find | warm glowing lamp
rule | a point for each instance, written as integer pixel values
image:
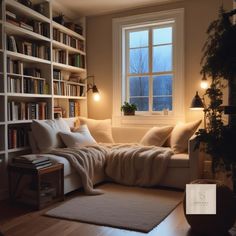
(204, 83)
(93, 87)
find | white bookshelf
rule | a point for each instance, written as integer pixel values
(45, 66)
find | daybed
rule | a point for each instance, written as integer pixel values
(182, 167)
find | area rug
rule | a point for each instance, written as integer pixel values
(132, 208)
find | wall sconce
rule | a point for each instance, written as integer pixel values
(198, 104)
(93, 87)
(204, 83)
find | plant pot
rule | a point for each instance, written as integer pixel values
(129, 113)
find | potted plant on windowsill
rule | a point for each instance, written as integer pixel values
(129, 109)
(219, 64)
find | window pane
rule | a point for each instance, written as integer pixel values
(162, 58)
(138, 61)
(138, 86)
(162, 35)
(141, 103)
(138, 39)
(160, 103)
(162, 85)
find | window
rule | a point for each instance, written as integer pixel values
(148, 67)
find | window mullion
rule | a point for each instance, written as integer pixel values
(127, 65)
(150, 70)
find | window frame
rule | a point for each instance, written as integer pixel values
(150, 28)
(143, 118)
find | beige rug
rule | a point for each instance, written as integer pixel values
(131, 208)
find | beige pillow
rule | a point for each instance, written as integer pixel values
(181, 134)
(80, 138)
(46, 134)
(156, 136)
(62, 125)
(99, 129)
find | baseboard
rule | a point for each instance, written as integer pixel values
(4, 194)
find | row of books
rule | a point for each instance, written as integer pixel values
(60, 75)
(26, 111)
(14, 66)
(74, 108)
(62, 88)
(17, 137)
(41, 28)
(32, 161)
(67, 39)
(77, 60)
(59, 56)
(30, 85)
(28, 48)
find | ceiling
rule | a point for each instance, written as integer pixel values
(98, 7)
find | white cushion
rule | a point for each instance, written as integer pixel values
(46, 134)
(63, 126)
(181, 134)
(156, 136)
(180, 160)
(99, 129)
(79, 138)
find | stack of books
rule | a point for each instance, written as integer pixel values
(32, 161)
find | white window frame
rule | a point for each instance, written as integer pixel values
(176, 17)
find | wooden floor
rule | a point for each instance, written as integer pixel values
(20, 221)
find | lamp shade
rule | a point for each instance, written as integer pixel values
(197, 103)
(96, 95)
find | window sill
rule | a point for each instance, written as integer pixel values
(146, 120)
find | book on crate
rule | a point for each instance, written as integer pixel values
(32, 161)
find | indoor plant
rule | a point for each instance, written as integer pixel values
(218, 63)
(129, 108)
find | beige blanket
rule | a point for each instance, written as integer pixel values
(137, 165)
(129, 164)
(85, 161)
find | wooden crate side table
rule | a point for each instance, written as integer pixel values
(39, 195)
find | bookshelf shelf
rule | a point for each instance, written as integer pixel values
(19, 122)
(18, 149)
(2, 152)
(66, 47)
(64, 67)
(69, 97)
(29, 95)
(20, 8)
(66, 30)
(69, 82)
(26, 58)
(16, 30)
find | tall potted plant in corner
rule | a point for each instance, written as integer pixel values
(219, 63)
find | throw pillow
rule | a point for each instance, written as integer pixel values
(46, 134)
(156, 136)
(181, 134)
(99, 129)
(79, 138)
(62, 125)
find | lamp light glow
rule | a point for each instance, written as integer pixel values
(204, 83)
(96, 97)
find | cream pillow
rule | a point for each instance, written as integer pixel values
(62, 125)
(181, 134)
(80, 138)
(156, 136)
(46, 134)
(99, 129)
